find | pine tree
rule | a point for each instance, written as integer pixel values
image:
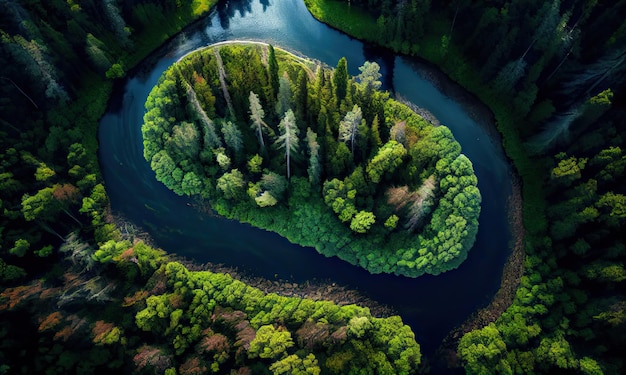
(288, 137)
(340, 79)
(349, 126)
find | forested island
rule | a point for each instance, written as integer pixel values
(290, 146)
(82, 291)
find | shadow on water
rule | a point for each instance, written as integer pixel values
(431, 305)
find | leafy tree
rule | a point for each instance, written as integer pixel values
(483, 351)
(270, 342)
(223, 160)
(254, 164)
(191, 184)
(362, 222)
(232, 184)
(388, 158)
(115, 71)
(185, 142)
(266, 199)
(274, 183)
(20, 248)
(294, 365)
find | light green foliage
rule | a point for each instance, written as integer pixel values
(254, 164)
(392, 222)
(185, 141)
(315, 168)
(359, 326)
(231, 184)
(266, 199)
(568, 169)
(270, 342)
(115, 71)
(294, 365)
(39, 206)
(387, 159)
(223, 160)
(44, 173)
(9, 272)
(482, 352)
(44, 251)
(362, 222)
(110, 250)
(370, 76)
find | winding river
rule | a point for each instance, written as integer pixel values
(430, 305)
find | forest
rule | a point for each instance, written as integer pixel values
(318, 157)
(553, 74)
(82, 294)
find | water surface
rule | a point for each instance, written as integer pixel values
(430, 305)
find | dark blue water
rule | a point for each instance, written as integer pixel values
(430, 305)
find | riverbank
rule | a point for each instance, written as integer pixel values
(316, 290)
(526, 199)
(513, 271)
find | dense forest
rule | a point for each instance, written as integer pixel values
(553, 74)
(81, 291)
(80, 294)
(316, 158)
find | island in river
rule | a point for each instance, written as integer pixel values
(319, 157)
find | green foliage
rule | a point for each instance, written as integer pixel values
(362, 222)
(270, 342)
(231, 184)
(20, 248)
(340, 79)
(228, 323)
(345, 157)
(115, 71)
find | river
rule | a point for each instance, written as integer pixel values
(431, 305)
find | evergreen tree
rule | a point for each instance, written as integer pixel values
(273, 70)
(288, 138)
(340, 79)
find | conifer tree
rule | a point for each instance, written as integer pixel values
(288, 137)
(340, 79)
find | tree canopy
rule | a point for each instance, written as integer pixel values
(341, 180)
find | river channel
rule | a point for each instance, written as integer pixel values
(431, 305)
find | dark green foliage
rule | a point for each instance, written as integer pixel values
(432, 235)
